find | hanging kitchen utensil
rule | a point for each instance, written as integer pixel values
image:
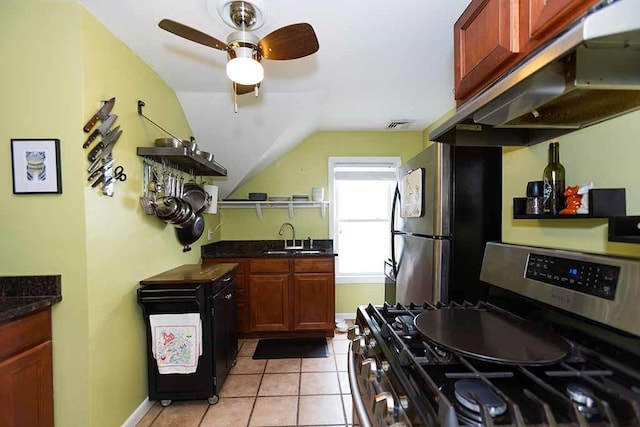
(145, 201)
(189, 235)
(196, 196)
(101, 115)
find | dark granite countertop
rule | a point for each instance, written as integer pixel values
(22, 295)
(260, 248)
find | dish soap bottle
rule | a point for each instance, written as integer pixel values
(553, 177)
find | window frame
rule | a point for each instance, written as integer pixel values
(334, 161)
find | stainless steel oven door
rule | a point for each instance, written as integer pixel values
(358, 393)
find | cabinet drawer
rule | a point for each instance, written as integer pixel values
(21, 334)
(272, 265)
(313, 265)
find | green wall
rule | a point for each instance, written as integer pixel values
(303, 167)
(53, 79)
(605, 154)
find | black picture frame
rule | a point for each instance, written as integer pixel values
(35, 165)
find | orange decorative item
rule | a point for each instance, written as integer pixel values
(573, 201)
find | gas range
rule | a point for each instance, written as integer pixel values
(509, 361)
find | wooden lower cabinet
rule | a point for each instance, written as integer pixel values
(268, 302)
(313, 301)
(26, 377)
(279, 295)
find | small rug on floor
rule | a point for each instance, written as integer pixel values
(290, 348)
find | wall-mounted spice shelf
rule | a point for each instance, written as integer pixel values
(603, 203)
(624, 229)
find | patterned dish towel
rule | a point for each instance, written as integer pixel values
(176, 342)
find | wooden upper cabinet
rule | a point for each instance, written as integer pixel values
(547, 16)
(492, 37)
(486, 36)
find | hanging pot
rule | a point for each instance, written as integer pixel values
(196, 196)
(188, 235)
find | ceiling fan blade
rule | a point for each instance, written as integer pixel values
(290, 42)
(242, 89)
(191, 34)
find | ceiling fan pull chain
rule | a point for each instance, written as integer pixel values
(235, 98)
(255, 89)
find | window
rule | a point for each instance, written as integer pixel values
(361, 191)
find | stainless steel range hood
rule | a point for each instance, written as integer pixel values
(589, 74)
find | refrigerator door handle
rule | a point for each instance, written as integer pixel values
(396, 200)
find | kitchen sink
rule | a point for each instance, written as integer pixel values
(293, 252)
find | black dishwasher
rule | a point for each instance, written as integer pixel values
(211, 293)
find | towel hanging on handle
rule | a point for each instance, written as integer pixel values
(176, 342)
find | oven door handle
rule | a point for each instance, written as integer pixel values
(358, 403)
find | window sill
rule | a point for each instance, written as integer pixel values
(360, 279)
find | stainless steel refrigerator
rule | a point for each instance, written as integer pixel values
(447, 206)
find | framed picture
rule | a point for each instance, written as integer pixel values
(36, 166)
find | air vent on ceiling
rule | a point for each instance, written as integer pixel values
(400, 124)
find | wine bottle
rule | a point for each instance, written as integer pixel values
(553, 177)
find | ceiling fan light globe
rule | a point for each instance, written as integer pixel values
(245, 71)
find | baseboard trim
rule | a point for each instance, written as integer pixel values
(345, 316)
(138, 414)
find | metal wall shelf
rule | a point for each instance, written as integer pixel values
(258, 206)
(183, 159)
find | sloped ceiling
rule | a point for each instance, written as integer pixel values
(379, 60)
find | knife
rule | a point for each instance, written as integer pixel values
(102, 130)
(106, 151)
(101, 115)
(94, 172)
(103, 143)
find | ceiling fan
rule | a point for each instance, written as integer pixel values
(245, 50)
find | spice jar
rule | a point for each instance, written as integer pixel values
(535, 197)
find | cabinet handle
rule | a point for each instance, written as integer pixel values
(226, 279)
(227, 296)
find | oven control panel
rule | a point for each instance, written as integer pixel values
(599, 280)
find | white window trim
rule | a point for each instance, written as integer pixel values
(396, 161)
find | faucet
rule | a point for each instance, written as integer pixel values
(293, 236)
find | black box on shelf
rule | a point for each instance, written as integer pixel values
(624, 229)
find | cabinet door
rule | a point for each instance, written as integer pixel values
(225, 338)
(486, 36)
(313, 301)
(268, 302)
(547, 16)
(26, 388)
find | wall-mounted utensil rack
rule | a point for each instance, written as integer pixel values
(180, 158)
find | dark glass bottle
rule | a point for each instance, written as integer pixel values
(553, 177)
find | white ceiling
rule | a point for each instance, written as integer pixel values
(379, 60)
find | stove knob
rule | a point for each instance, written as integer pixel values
(353, 332)
(372, 342)
(358, 345)
(383, 406)
(384, 365)
(368, 369)
(367, 331)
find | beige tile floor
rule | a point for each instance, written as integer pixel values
(274, 392)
